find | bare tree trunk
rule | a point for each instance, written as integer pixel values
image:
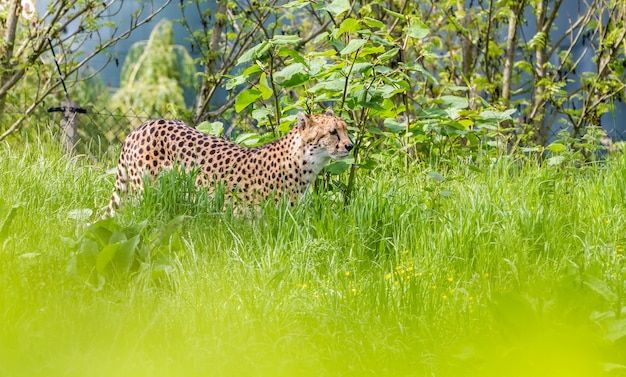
(538, 113)
(537, 116)
(6, 53)
(468, 47)
(209, 80)
(507, 75)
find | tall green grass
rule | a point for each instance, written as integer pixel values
(510, 269)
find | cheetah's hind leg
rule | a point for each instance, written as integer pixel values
(121, 187)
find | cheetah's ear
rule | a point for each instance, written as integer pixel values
(303, 120)
(330, 112)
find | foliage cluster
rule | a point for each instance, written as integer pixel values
(34, 41)
(498, 54)
(414, 79)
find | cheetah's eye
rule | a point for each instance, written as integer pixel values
(333, 132)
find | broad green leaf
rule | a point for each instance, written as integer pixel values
(383, 58)
(555, 161)
(102, 230)
(285, 39)
(105, 256)
(417, 32)
(117, 237)
(254, 52)
(317, 65)
(349, 25)
(432, 113)
(369, 50)
(397, 15)
(325, 53)
(322, 37)
(337, 167)
(246, 97)
(498, 115)
(235, 81)
(211, 128)
(368, 164)
(88, 252)
(600, 287)
(293, 75)
(261, 114)
(372, 22)
(295, 55)
(266, 91)
(330, 85)
(393, 125)
(466, 122)
(417, 29)
(436, 176)
(446, 193)
(361, 67)
(388, 91)
(338, 7)
(353, 46)
(251, 70)
(556, 148)
(455, 102)
(248, 139)
(290, 70)
(375, 131)
(296, 80)
(125, 255)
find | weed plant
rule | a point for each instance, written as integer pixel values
(503, 269)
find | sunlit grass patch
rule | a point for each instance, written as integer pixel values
(518, 269)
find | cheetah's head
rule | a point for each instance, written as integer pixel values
(325, 135)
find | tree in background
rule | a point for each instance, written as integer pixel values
(528, 54)
(534, 55)
(27, 71)
(155, 74)
(413, 78)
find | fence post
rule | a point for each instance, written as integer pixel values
(69, 123)
(69, 129)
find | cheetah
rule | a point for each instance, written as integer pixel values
(285, 167)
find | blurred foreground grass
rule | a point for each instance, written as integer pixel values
(510, 269)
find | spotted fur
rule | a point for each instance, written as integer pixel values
(286, 166)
